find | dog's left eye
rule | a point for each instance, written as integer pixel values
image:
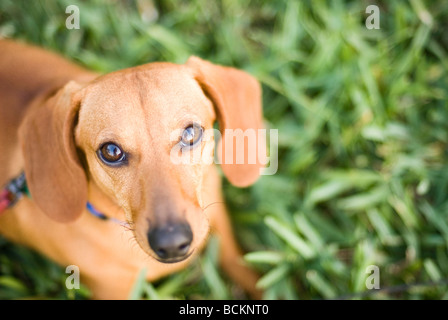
(111, 154)
(191, 135)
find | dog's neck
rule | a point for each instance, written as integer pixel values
(103, 204)
(103, 208)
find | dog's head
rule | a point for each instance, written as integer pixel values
(136, 134)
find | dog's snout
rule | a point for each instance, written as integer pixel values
(171, 242)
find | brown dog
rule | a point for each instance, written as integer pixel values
(107, 140)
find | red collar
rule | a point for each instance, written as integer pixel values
(12, 192)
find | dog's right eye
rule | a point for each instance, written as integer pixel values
(111, 154)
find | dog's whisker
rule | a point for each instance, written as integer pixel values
(128, 228)
(213, 203)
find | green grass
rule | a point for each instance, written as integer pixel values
(362, 117)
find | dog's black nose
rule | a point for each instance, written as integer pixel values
(170, 242)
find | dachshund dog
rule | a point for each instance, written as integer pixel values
(85, 142)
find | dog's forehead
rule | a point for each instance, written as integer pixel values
(142, 100)
(158, 88)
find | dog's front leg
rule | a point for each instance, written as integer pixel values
(230, 256)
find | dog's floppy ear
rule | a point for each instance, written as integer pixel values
(236, 96)
(55, 178)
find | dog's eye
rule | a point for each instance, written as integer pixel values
(111, 154)
(191, 135)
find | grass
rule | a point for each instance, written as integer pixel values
(362, 117)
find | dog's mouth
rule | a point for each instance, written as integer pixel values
(173, 260)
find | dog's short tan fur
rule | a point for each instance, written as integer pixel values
(54, 116)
